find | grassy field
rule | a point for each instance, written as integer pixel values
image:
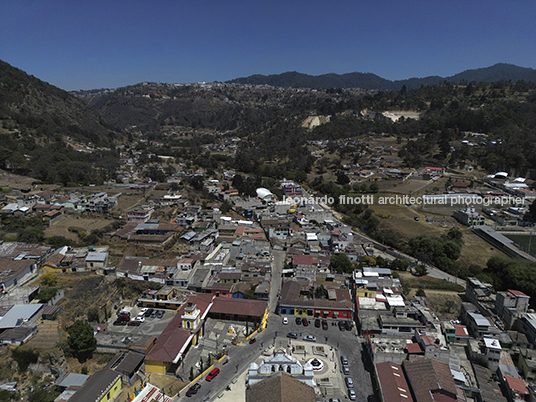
(399, 219)
(60, 228)
(442, 296)
(476, 250)
(428, 283)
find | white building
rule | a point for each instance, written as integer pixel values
(281, 361)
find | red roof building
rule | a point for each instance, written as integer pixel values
(516, 389)
(430, 381)
(414, 349)
(392, 383)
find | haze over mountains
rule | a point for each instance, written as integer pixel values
(497, 72)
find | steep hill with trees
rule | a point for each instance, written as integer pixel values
(36, 118)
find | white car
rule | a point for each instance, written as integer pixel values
(140, 318)
(285, 320)
(309, 338)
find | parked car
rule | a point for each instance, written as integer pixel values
(193, 389)
(298, 320)
(317, 323)
(349, 325)
(124, 318)
(212, 374)
(148, 313)
(349, 382)
(120, 322)
(134, 323)
(344, 360)
(345, 369)
(342, 326)
(140, 319)
(324, 325)
(309, 338)
(351, 394)
(154, 313)
(285, 320)
(160, 313)
(292, 335)
(305, 322)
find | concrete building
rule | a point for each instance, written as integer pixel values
(511, 299)
(468, 217)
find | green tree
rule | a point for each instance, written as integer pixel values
(93, 314)
(420, 292)
(342, 178)
(46, 295)
(43, 395)
(58, 241)
(6, 396)
(24, 356)
(421, 270)
(374, 188)
(341, 263)
(49, 279)
(300, 176)
(531, 214)
(400, 264)
(31, 235)
(455, 235)
(81, 342)
(448, 305)
(320, 292)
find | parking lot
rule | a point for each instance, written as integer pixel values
(151, 325)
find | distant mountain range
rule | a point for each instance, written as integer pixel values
(497, 72)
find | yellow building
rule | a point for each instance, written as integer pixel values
(191, 320)
(184, 330)
(103, 386)
(363, 292)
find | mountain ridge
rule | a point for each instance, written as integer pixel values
(370, 81)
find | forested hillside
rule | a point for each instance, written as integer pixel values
(35, 120)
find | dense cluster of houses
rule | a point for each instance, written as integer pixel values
(418, 356)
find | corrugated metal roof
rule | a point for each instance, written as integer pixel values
(19, 313)
(479, 319)
(96, 256)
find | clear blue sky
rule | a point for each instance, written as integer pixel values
(87, 44)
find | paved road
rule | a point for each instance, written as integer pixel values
(275, 283)
(347, 343)
(240, 357)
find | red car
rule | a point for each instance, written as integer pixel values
(252, 340)
(213, 374)
(305, 322)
